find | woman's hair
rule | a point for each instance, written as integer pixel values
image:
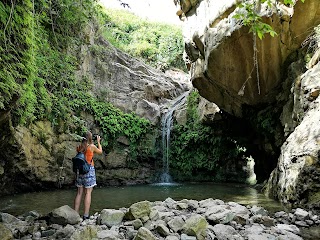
(83, 146)
(89, 137)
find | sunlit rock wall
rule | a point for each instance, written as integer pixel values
(220, 51)
(296, 179)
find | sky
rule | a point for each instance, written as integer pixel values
(157, 10)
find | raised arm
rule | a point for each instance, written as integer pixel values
(98, 149)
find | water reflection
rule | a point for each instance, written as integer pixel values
(124, 196)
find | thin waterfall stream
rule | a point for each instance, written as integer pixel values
(167, 123)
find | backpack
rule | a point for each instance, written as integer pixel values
(80, 164)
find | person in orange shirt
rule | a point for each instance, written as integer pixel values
(86, 182)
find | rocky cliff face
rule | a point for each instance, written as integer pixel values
(37, 157)
(128, 83)
(220, 56)
(296, 178)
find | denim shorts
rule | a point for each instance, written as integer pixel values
(87, 180)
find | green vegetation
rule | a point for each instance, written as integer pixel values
(250, 17)
(196, 148)
(159, 45)
(38, 66)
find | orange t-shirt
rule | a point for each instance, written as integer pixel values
(89, 156)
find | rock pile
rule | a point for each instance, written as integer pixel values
(170, 220)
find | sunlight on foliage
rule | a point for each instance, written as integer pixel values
(250, 17)
(159, 45)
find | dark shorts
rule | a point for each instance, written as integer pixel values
(87, 180)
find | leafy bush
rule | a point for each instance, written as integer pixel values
(16, 51)
(159, 45)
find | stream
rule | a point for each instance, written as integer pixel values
(124, 196)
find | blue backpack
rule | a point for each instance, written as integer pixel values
(80, 164)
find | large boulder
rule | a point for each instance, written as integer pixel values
(220, 51)
(64, 215)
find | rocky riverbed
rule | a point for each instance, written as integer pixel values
(207, 219)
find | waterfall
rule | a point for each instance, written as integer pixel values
(167, 121)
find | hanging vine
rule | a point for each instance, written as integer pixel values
(248, 15)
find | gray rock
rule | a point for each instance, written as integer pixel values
(137, 224)
(48, 233)
(289, 236)
(65, 233)
(176, 224)
(172, 237)
(110, 217)
(262, 236)
(195, 225)
(255, 210)
(154, 215)
(8, 218)
(139, 210)
(309, 222)
(170, 203)
(287, 228)
(251, 230)
(281, 214)
(108, 235)
(223, 232)
(144, 234)
(64, 215)
(163, 230)
(5, 233)
(186, 237)
(301, 214)
(301, 224)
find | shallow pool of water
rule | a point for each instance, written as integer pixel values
(124, 196)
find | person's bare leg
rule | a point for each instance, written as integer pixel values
(87, 200)
(77, 200)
